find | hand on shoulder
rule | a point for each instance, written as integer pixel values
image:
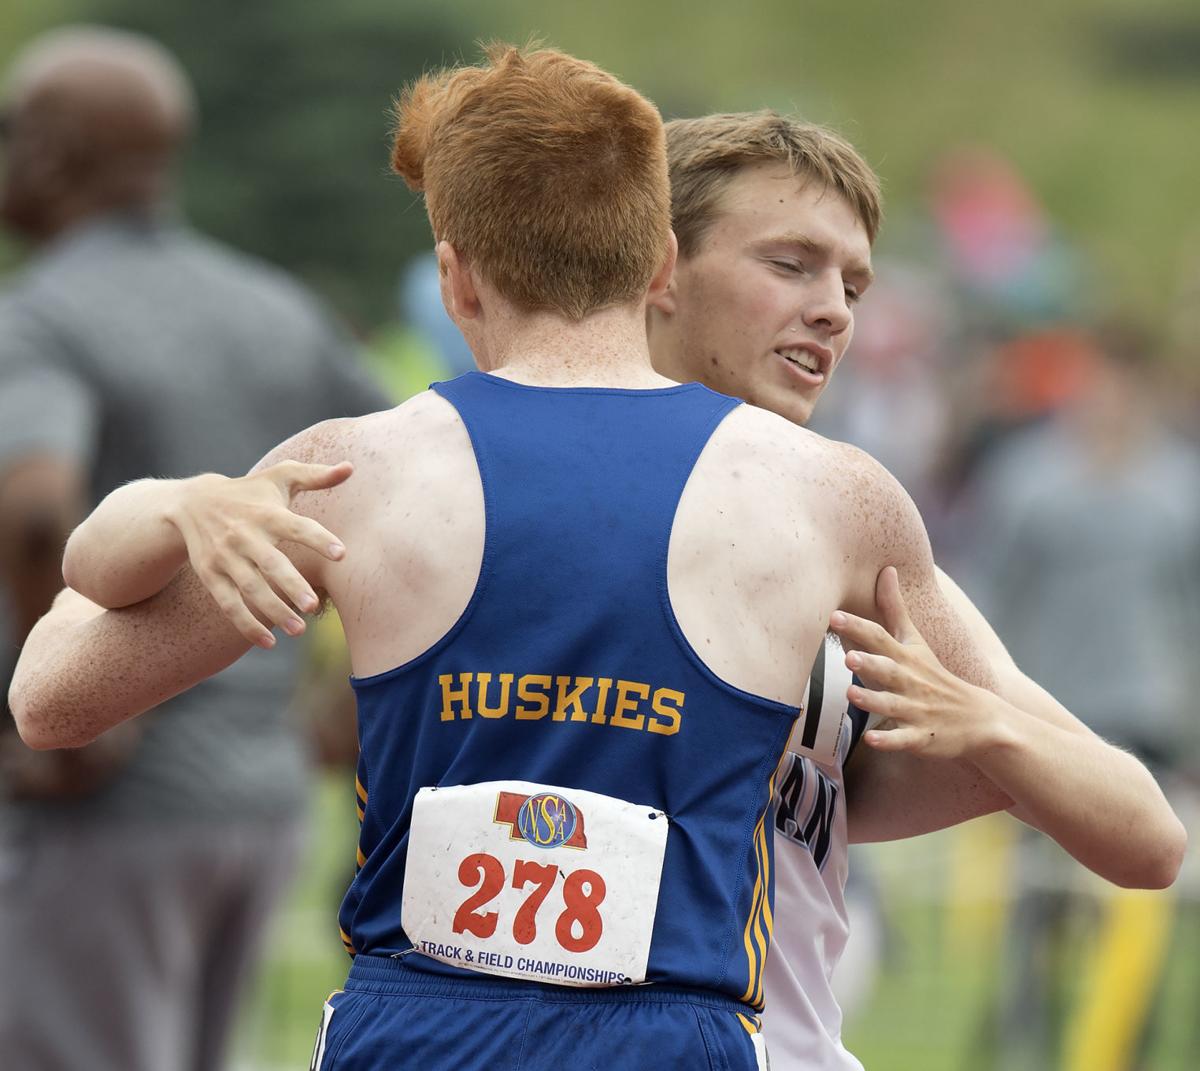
(934, 712)
(233, 529)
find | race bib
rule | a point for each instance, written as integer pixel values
(533, 881)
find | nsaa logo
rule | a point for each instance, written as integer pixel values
(545, 820)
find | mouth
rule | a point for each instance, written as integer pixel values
(811, 364)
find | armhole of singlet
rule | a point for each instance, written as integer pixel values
(480, 455)
(703, 439)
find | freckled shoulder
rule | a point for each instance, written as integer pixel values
(359, 439)
(833, 483)
(792, 456)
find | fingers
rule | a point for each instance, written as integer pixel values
(891, 605)
(279, 524)
(296, 476)
(885, 704)
(291, 527)
(864, 635)
(279, 571)
(263, 600)
(229, 599)
(251, 604)
(879, 671)
(905, 738)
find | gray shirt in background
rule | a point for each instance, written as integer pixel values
(1090, 574)
(139, 348)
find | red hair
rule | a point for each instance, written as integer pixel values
(543, 171)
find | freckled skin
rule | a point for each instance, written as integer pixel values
(775, 529)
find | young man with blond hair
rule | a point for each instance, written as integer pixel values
(761, 306)
(581, 602)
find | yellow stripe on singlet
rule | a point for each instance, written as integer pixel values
(346, 941)
(751, 956)
(358, 788)
(761, 933)
(761, 923)
(752, 1025)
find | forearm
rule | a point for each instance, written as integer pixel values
(896, 795)
(128, 549)
(958, 751)
(1098, 802)
(83, 669)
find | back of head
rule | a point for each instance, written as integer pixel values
(706, 154)
(95, 118)
(544, 172)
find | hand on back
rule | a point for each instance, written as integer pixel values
(233, 529)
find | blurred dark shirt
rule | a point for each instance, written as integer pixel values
(138, 348)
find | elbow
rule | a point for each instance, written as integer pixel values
(37, 727)
(30, 727)
(32, 732)
(1161, 867)
(1171, 857)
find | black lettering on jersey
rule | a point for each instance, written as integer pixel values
(818, 833)
(805, 805)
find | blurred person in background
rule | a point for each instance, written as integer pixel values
(136, 874)
(1092, 515)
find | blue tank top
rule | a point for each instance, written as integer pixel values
(568, 668)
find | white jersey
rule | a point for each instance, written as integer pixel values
(802, 1022)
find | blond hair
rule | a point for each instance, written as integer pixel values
(706, 154)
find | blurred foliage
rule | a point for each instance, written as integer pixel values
(1094, 100)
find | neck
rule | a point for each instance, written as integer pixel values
(605, 349)
(666, 349)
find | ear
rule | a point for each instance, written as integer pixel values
(459, 294)
(662, 287)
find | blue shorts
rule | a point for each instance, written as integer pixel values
(391, 1017)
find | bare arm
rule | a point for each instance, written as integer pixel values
(140, 536)
(1098, 802)
(84, 670)
(878, 525)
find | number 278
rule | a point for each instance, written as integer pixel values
(580, 909)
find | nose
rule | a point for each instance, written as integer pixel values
(829, 311)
